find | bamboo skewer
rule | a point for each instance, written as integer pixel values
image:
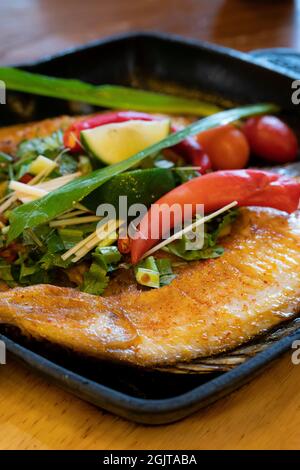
(189, 228)
(74, 221)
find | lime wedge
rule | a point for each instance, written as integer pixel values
(112, 143)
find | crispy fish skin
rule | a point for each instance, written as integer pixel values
(212, 306)
(68, 317)
(11, 136)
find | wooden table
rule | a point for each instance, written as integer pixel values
(35, 414)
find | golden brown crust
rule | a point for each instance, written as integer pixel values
(210, 307)
(11, 136)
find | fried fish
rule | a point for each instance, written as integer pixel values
(211, 307)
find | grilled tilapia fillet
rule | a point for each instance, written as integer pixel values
(211, 306)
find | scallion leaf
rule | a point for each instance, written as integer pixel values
(155, 273)
(164, 266)
(110, 96)
(5, 158)
(108, 255)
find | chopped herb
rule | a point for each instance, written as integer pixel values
(26, 271)
(6, 166)
(66, 165)
(210, 248)
(5, 158)
(49, 146)
(104, 261)
(164, 266)
(35, 239)
(150, 263)
(39, 277)
(178, 248)
(37, 236)
(54, 243)
(221, 225)
(70, 237)
(51, 260)
(95, 280)
(147, 278)
(107, 256)
(5, 271)
(155, 273)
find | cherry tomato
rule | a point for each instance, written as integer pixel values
(271, 139)
(226, 147)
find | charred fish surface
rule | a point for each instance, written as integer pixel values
(212, 306)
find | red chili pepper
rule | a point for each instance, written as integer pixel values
(192, 152)
(189, 148)
(10, 253)
(215, 190)
(72, 134)
(124, 245)
(26, 178)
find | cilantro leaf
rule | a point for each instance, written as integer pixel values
(49, 146)
(104, 261)
(210, 249)
(95, 280)
(51, 260)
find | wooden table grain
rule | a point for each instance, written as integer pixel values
(35, 414)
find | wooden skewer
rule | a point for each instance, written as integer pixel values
(74, 221)
(70, 213)
(75, 248)
(100, 235)
(8, 203)
(84, 250)
(189, 228)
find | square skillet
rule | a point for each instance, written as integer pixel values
(164, 63)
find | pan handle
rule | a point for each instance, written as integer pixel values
(283, 60)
